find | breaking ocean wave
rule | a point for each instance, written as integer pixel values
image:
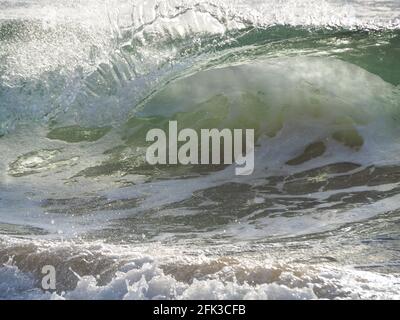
(82, 82)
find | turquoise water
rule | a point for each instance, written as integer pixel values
(82, 82)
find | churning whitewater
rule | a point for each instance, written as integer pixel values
(83, 82)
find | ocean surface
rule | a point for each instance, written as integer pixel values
(81, 83)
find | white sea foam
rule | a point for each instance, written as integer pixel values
(146, 276)
(71, 60)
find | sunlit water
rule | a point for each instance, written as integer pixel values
(82, 82)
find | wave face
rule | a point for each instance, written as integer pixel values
(81, 83)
